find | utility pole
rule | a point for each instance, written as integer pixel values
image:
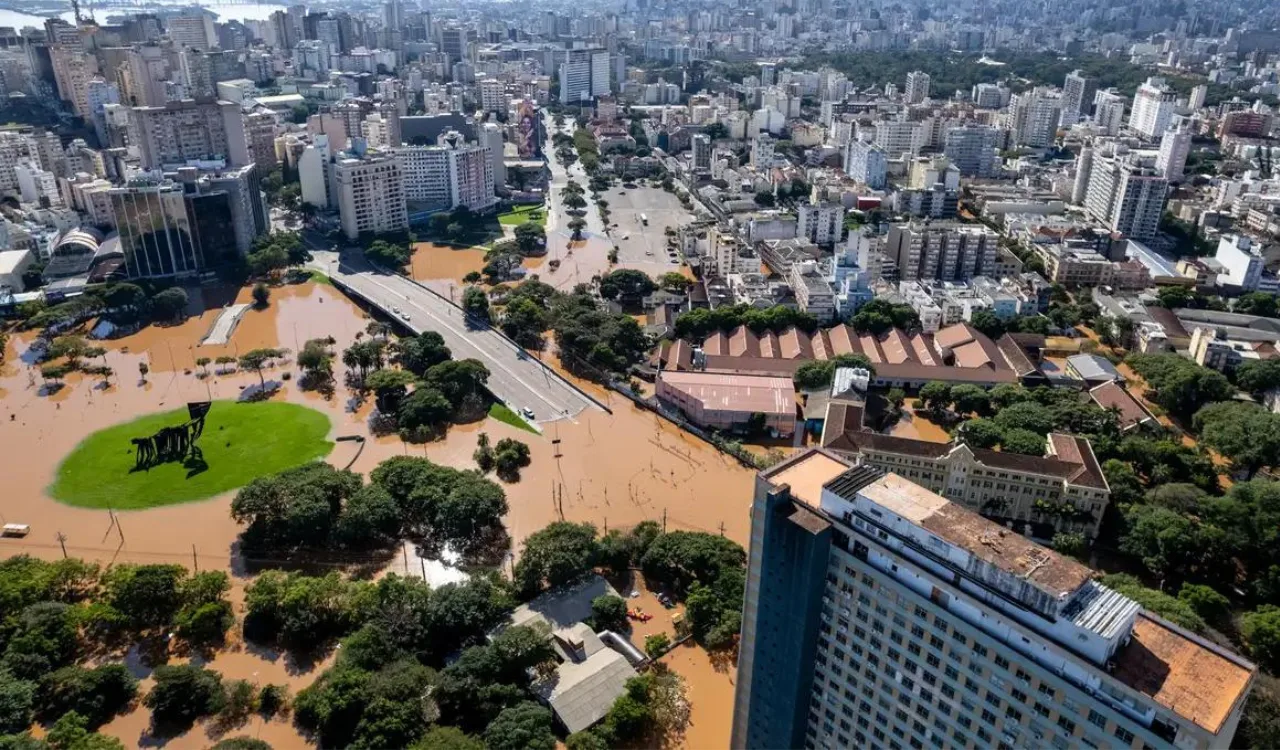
(62, 540)
(664, 520)
(195, 564)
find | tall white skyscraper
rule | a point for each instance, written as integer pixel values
(1126, 195)
(1108, 111)
(1034, 117)
(701, 146)
(880, 614)
(917, 87)
(865, 163)
(584, 74)
(370, 195)
(1198, 95)
(1152, 108)
(491, 138)
(1077, 97)
(1175, 145)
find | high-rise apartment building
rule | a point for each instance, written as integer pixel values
(450, 174)
(1175, 146)
(942, 251)
(1152, 111)
(491, 138)
(701, 146)
(194, 31)
(260, 135)
(917, 87)
(189, 130)
(493, 95)
(1108, 111)
(877, 613)
(820, 223)
(1034, 117)
(1126, 194)
(972, 149)
(370, 194)
(1198, 96)
(865, 163)
(243, 188)
(584, 74)
(988, 96)
(14, 149)
(897, 137)
(1077, 97)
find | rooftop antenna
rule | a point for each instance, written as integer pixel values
(75, 9)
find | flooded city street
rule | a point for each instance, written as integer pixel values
(612, 470)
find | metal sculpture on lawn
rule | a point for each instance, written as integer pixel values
(175, 443)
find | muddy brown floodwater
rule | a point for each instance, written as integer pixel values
(613, 470)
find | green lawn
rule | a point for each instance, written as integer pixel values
(503, 414)
(522, 214)
(241, 441)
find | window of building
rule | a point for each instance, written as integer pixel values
(1097, 719)
(1067, 725)
(1124, 735)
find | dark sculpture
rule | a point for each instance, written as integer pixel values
(172, 443)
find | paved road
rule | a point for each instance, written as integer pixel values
(515, 376)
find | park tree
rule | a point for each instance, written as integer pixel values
(509, 456)
(389, 387)
(1247, 434)
(1261, 631)
(1026, 415)
(609, 612)
(525, 726)
(98, 694)
(656, 645)
(169, 303)
(484, 453)
(560, 553)
(267, 260)
(1007, 394)
(1169, 607)
(980, 433)
(676, 282)
(1173, 545)
(55, 372)
(1257, 376)
(970, 399)
(525, 320)
(295, 508)
(1207, 602)
(626, 283)
(425, 409)
(261, 295)
(259, 359)
(530, 238)
(365, 356)
(935, 395)
(394, 256)
(463, 382)
(576, 225)
(1181, 386)
(146, 596)
(447, 738)
(184, 693)
(419, 353)
(475, 302)
(16, 700)
(1025, 442)
(316, 360)
(987, 323)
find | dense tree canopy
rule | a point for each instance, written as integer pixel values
(1180, 386)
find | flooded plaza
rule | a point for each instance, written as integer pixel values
(610, 469)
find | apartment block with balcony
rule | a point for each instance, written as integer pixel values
(877, 613)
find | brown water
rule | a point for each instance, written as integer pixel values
(917, 425)
(613, 470)
(432, 262)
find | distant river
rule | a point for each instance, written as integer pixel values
(225, 11)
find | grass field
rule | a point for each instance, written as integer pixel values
(503, 414)
(241, 441)
(522, 214)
